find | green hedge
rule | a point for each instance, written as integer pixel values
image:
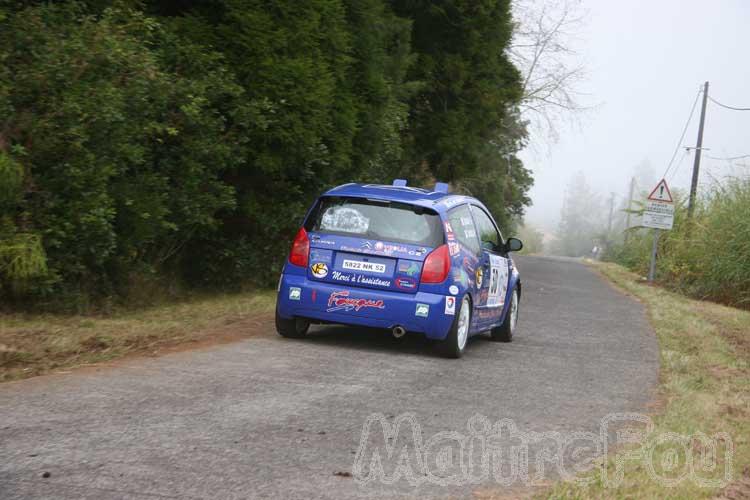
(181, 142)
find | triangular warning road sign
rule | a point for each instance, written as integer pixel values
(661, 193)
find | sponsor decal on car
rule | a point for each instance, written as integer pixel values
(450, 306)
(378, 248)
(479, 275)
(407, 267)
(344, 220)
(341, 300)
(388, 248)
(406, 283)
(454, 248)
(295, 293)
(319, 269)
(360, 278)
(488, 313)
(468, 264)
(451, 202)
(422, 311)
(453, 289)
(367, 280)
(317, 239)
(317, 255)
(449, 231)
(498, 281)
(396, 248)
(460, 276)
(347, 248)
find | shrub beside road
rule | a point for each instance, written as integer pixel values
(708, 258)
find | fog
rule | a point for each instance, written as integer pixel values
(645, 62)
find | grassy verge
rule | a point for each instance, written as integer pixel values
(705, 387)
(35, 344)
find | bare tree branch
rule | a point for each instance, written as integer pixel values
(543, 48)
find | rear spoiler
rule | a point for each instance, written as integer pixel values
(440, 187)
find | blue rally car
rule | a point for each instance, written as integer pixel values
(401, 258)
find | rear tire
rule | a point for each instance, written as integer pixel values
(454, 344)
(504, 332)
(294, 328)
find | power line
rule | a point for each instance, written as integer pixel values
(729, 158)
(733, 108)
(682, 136)
(677, 168)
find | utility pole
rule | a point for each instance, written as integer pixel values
(630, 207)
(698, 149)
(607, 237)
(611, 213)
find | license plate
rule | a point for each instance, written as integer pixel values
(370, 267)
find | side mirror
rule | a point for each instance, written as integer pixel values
(514, 245)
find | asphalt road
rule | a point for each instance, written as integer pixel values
(274, 418)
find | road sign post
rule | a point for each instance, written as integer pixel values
(659, 215)
(652, 265)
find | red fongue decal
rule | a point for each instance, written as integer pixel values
(341, 300)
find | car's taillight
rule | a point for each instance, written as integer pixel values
(300, 248)
(436, 266)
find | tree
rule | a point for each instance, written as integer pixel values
(582, 220)
(543, 48)
(469, 84)
(463, 126)
(382, 56)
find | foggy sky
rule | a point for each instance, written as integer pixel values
(645, 62)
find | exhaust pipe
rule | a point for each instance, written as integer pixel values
(398, 332)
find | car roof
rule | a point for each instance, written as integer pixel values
(437, 200)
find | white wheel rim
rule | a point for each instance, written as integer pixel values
(463, 324)
(513, 311)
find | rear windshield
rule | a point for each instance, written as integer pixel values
(377, 220)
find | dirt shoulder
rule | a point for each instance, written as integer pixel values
(705, 387)
(32, 345)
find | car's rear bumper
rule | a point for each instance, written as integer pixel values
(318, 301)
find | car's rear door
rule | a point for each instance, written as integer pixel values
(375, 244)
(495, 270)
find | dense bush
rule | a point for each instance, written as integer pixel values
(120, 155)
(182, 141)
(708, 257)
